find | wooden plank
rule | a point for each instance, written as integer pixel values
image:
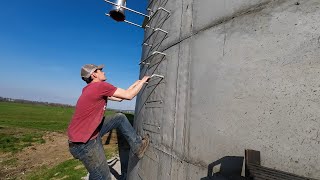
(256, 171)
(252, 157)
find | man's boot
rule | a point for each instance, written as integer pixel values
(143, 147)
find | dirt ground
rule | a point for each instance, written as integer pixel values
(52, 152)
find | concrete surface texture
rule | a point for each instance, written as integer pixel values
(238, 74)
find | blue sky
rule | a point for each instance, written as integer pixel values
(43, 45)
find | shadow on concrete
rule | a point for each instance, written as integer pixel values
(127, 154)
(112, 170)
(230, 169)
(133, 162)
(124, 150)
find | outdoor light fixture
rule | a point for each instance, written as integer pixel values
(117, 13)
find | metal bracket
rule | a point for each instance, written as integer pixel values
(154, 104)
(129, 22)
(151, 127)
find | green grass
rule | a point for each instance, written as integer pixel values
(10, 162)
(32, 116)
(15, 139)
(68, 170)
(111, 151)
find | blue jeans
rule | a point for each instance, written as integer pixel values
(92, 154)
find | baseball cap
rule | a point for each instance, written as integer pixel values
(88, 69)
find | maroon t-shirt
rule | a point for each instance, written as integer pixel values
(89, 111)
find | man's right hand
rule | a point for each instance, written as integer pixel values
(132, 91)
(145, 79)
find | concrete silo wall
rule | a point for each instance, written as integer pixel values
(238, 74)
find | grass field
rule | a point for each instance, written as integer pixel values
(34, 116)
(23, 125)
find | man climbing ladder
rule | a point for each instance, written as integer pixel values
(88, 124)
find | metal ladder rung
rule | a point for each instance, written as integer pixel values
(156, 12)
(154, 101)
(154, 76)
(145, 44)
(157, 125)
(151, 17)
(153, 54)
(154, 31)
(148, 7)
